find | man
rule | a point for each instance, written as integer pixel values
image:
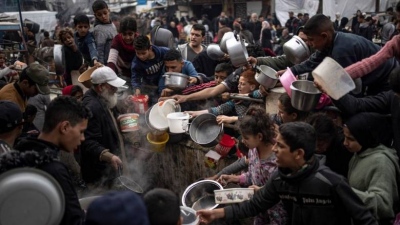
(310, 192)
(174, 63)
(190, 50)
(336, 24)
(289, 22)
(344, 48)
(33, 80)
(11, 124)
(65, 122)
(254, 26)
(223, 28)
(103, 141)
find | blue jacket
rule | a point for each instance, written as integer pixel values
(187, 69)
(348, 49)
(87, 46)
(149, 72)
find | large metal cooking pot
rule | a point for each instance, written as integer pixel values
(163, 37)
(205, 131)
(266, 76)
(59, 59)
(296, 50)
(305, 96)
(226, 37)
(237, 52)
(30, 196)
(200, 195)
(215, 52)
(176, 81)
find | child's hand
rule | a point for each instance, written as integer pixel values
(255, 187)
(137, 92)
(226, 119)
(192, 80)
(97, 64)
(166, 92)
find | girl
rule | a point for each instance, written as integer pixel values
(258, 134)
(374, 168)
(122, 51)
(73, 57)
(287, 113)
(247, 84)
(73, 91)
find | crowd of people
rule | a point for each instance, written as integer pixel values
(338, 164)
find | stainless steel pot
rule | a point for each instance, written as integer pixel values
(237, 52)
(200, 195)
(215, 52)
(30, 196)
(176, 81)
(222, 44)
(305, 96)
(163, 37)
(266, 76)
(296, 50)
(205, 131)
(59, 59)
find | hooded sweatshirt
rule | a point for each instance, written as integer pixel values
(373, 171)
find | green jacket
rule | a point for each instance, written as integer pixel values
(372, 176)
(277, 63)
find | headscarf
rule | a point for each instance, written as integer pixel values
(67, 90)
(264, 25)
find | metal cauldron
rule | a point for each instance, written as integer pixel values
(296, 50)
(176, 81)
(237, 52)
(266, 76)
(205, 131)
(200, 195)
(214, 52)
(226, 37)
(305, 96)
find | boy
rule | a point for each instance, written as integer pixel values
(147, 66)
(311, 193)
(73, 57)
(104, 30)
(85, 40)
(163, 207)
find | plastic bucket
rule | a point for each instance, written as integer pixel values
(140, 103)
(178, 122)
(168, 106)
(225, 145)
(156, 120)
(158, 142)
(333, 78)
(287, 79)
(189, 216)
(129, 122)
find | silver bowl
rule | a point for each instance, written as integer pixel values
(305, 96)
(200, 195)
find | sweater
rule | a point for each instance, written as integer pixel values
(121, 56)
(372, 176)
(103, 34)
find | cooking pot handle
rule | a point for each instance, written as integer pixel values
(257, 69)
(166, 75)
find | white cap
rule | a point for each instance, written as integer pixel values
(105, 74)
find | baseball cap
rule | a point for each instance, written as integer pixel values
(40, 75)
(105, 74)
(118, 208)
(10, 116)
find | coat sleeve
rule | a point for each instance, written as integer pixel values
(310, 64)
(235, 167)
(276, 63)
(353, 205)
(90, 42)
(101, 40)
(262, 200)
(223, 109)
(4, 72)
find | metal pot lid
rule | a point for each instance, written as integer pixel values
(176, 74)
(59, 59)
(30, 196)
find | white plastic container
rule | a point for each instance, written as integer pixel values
(233, 195)
(168, 106)
(189, 216)
(157, 121)
(178, 122)
(333, 78)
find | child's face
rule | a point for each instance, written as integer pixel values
(103, 15)
(128, 36)
(318, 41)
(285, 158)
(143, 54)
(68, 40)
(252, 141)
(82, 29)
(244, 86)
(2, 59)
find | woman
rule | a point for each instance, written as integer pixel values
(373, 169)
(266, 36)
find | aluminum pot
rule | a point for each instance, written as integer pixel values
(222, 44)
(163, 37)
(30, 196)
(266, 76)
(237, 52)
(296, 50)
(215, 52)
(205, 131)
(305, 96)
(176, 81)
(200, 195)
(59, 59)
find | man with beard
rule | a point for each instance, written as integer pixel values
(103, 141)
(190, 50)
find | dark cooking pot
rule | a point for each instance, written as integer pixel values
(176, 81)
(163, 37)
(205, 131)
